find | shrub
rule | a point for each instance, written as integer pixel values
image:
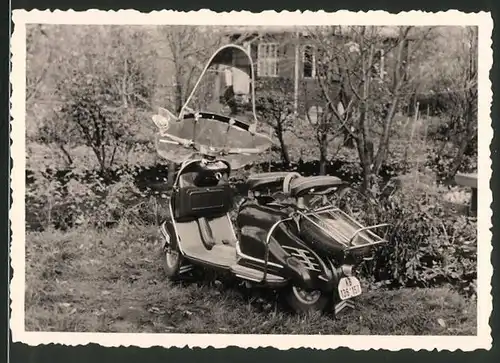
(428, 246)
(441, 158)
(44, 196)
(84, 199)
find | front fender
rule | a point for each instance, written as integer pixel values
(167, 231)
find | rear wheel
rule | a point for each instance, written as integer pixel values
(303, 301)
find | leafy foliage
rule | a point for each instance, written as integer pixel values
(89, 199)
(428, 245)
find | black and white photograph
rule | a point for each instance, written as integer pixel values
(275, 179)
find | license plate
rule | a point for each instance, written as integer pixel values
(349, 287)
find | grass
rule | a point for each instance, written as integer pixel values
(112, 281)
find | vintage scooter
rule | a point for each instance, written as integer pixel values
(308, 254)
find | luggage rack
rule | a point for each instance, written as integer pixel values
(344, 229)
(348, 242)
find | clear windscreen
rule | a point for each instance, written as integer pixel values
(225, 88)
(217, 116)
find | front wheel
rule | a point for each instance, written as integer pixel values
(172, 257)
(306, 301)
(173, 262)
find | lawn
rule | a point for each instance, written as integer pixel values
(112, 281)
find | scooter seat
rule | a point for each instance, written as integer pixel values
(304, 185)
(259, 181)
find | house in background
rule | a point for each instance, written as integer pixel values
(289, 52)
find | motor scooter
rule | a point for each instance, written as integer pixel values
(278, 240)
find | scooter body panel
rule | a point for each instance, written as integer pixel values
(264, 247)
(287, 254)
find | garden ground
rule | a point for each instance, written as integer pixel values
(112, 280)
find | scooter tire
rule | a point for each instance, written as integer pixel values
(299, 305)
(173, 259)
(172, 263)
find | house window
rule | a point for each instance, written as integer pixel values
(308, 62)
(267, 63)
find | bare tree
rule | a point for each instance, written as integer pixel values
(96, 89)
(461, 101)
(372, 69)
(39, 57)
(274, 104)
(447, 87)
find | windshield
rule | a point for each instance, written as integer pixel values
(225, 87)
(218, 118)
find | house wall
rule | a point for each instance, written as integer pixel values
(308, 90)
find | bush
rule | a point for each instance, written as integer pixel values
(44, 195)
(84, 199)
(441, 158)
(428, 246)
